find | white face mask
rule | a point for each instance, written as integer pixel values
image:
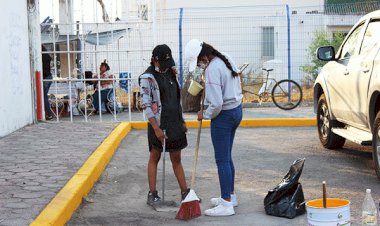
(156, 68)
(202, 65)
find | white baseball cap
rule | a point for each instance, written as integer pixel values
(192, 50)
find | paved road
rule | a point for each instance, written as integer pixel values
(262, 157)
(37, 161)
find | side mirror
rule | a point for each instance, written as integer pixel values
(326, 53)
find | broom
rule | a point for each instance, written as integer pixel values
(190, 207)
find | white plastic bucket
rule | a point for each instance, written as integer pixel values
(337, 212)
(194, 88)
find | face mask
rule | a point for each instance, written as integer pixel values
(202, 65)
(203, 62)
(156, 68)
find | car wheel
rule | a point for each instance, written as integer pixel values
(376, 144)
(328, 139)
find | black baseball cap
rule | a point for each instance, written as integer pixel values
(163, 54)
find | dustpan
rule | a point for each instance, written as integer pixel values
(165, 205)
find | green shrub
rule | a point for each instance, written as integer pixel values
(321, 38)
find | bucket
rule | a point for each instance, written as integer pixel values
(194, 88)
(337, 212)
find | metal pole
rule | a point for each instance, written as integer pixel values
(99, 87)
(289, 56)
(55, 75)
(180, 48)
(129, 96)
(69, 63)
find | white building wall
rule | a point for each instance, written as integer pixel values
(15, 91)
(236, 30)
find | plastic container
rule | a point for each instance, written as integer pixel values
(195, 88)
(337, 212)
(369, 212)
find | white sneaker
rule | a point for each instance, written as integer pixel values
(217, 201)
(225, 208)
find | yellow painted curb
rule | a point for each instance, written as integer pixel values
(68, 199)
(246, 123)
(278, 122)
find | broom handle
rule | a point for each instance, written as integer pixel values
(197, 144)
(324, 193)
(163, 167)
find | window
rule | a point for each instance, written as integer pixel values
(143, 12)
(349, 46)
(371, 37)
(268, 43)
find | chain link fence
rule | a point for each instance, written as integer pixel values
(276, 37)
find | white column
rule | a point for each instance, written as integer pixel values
(66, 16)
(35, 49)
(154, 21)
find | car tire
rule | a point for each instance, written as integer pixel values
(376, 144)
(328, 139)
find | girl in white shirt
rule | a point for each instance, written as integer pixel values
(224, 99)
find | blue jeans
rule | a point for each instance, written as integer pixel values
(103, 98)
(223, 129)
(46, 86)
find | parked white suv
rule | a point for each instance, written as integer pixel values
(347, 90)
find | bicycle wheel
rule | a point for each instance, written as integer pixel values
(287, 94)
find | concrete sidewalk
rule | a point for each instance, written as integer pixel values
(38, 160)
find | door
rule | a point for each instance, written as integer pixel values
(360, 73)
(340, 80)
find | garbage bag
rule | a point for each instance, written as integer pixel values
(287, 199)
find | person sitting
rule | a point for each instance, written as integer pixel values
(105, 87)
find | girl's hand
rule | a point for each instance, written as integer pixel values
(200, 115)
(160, 134)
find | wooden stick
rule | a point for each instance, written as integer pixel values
(197, 144)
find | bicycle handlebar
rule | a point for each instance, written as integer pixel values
(267, 70)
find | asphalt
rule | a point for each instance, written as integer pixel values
(38, 160)
(262, 157)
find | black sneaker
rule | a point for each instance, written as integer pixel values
(153, 198)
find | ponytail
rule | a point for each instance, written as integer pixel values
(225, 60)
(208, 49)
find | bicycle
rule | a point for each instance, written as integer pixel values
(280, 95)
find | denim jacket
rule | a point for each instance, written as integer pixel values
(150, 96)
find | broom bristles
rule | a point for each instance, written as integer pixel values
(189, 210)
(190, 207)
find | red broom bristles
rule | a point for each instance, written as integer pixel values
(189, 210)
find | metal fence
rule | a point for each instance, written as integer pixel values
(275, 37)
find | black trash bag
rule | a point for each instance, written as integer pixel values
(287, 199)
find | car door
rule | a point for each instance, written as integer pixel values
(340, 81)
(360, 72)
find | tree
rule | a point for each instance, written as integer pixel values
(104, 12)
(321, 38)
